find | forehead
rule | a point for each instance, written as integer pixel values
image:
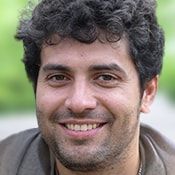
(76, 54)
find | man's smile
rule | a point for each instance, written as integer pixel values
(82, 127)
(79, 129)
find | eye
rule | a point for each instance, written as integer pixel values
(106, 77)
(107, 80)
(58, 79)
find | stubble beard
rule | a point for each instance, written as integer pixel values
(105, 156)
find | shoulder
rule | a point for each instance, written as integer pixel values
(157, 138)
(158, 147)
(14, 148)
(20, 139)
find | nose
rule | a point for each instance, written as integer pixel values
(80, 99)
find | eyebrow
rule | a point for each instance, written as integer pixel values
(56, 67)
(100, 67)
(112, 67)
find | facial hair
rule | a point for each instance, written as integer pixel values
(111, 150)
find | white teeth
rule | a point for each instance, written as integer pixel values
(94, 126)
(71, 127)
(77, 127)
(83, 127)
(89, 127)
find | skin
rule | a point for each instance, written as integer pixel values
(91, 84)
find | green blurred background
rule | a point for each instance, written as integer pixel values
(16, 92)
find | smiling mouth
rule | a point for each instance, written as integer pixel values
(82, 127)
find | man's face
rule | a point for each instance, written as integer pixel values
(88, 103)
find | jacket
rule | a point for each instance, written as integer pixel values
(26, 153)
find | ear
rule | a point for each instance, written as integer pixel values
(149, 94)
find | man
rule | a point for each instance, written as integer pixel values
(94, 65)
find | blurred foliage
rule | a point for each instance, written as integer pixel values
(166, 16)
(16, 92)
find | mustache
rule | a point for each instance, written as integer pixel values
(67, 114)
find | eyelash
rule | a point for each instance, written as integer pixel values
(111, 81)
(108, 76)
(57, 79)
(102, 79)
(56, 76)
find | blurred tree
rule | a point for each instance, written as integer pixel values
(15, 91)
(166, 16)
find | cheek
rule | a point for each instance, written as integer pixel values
(47, 102)
(49, 99)
(119, 99)
(121, 104)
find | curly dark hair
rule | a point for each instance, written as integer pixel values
(86, 21)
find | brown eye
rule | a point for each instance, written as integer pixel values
(58, 80)
(106, 77)
(107, 80)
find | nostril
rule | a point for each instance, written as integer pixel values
(79, 105)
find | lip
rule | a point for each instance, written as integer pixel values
(81, 121)
(81, 135)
